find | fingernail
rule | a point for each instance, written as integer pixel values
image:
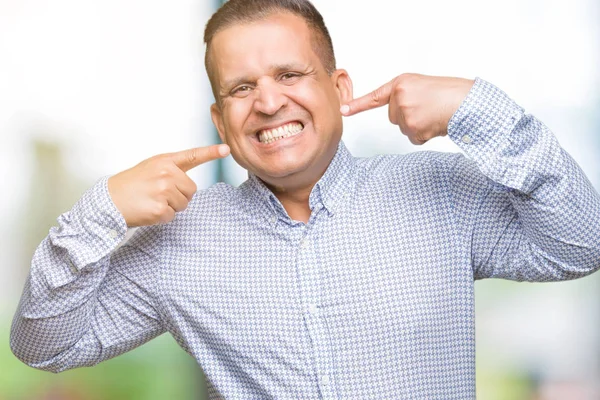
(223, 150)
(345, 109)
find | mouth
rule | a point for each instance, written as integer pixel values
(271, 135)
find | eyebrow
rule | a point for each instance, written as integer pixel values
(274, 69)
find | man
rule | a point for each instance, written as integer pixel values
(323, 275)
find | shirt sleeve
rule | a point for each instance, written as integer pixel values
(86, 299)
(525, 207)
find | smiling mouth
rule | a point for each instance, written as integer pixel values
(284, 131)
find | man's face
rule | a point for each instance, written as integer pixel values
(277, 108)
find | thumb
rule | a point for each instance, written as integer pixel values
(377, 98)
(188, 159)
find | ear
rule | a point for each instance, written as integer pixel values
(217, 119)
(343, 85)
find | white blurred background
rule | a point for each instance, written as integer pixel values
(89, 88)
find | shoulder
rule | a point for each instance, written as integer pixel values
(210, 209)
(421, 164)
(420, 174)
(221, 194)
(209, 204)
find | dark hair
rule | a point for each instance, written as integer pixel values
(246, 11)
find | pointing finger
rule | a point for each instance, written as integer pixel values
(377, 98)
(188, 159)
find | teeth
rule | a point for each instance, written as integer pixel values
(287, 130)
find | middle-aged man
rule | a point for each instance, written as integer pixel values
(323, 275)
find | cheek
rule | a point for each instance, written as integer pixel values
(312, 93)
(317, 101)
(327, 116)
(234, 118)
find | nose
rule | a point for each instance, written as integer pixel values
(270, 97)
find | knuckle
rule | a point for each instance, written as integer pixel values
(377, 95)
(160, 210)
(406, 77)
(192, 191)
(399, 94)
(167, 217)
(189, 196)
(164, 172)
(160, 160)
(182, 206)
(411, 123)
(400, 81)
(398, 84)
(417, 139)
(192, 156)
(413, 140)
(163, 186)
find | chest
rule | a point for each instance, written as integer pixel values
(371, 255)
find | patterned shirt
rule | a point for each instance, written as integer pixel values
(373, 298)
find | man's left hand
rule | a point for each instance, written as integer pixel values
(420, 105)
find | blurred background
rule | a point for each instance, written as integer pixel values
(89, 88)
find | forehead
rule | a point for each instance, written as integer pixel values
(252, 48)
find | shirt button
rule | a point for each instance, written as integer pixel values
(304, 243)
(325, 380)
(466, 139)
(113, 234)
(313, 309)
(274, 220)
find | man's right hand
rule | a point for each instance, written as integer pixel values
(151, 192)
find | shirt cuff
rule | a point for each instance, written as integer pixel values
(97, 223)
(484, 128)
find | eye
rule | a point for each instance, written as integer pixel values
(289, 77)
(241, 90)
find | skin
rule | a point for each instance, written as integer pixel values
(154, 190)
(420, 105)
(267, 74)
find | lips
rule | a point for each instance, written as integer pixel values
(286, 130)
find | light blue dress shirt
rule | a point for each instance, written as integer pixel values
(373, 298)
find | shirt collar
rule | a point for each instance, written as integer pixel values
(330, 191)
(336, 183)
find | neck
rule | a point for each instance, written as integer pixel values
(294, 190)
(294, 200)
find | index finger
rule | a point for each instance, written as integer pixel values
(190, 158)
(377, 98)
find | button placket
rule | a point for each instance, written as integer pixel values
(309, 271)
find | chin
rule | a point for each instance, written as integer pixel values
(285, 176)
(282, 173)
(290, 164)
